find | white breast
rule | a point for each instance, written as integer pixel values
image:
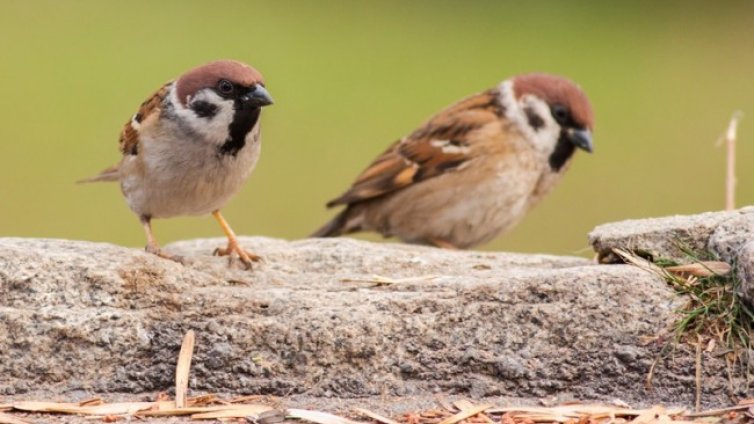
(173, 176)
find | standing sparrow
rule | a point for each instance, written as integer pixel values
(191, 146)
(473, 170)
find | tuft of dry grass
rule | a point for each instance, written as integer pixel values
(714, 312)
(714, 315)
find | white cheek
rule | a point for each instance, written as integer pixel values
(544, 138)
(214, 129)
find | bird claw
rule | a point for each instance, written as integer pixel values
(440, 243)
(246, 257)
(162, 254)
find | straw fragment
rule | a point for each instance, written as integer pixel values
(377, 417)
(701, 269)
(236, 411)
(117, 408)
(318, 417)
(10, 419)
(466, 413)
(182, 369)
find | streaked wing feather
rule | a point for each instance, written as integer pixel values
(129, 135)
(441, 145)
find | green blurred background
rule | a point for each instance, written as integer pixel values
(350, 77)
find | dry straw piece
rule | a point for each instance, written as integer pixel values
(182, 369)
(466, 413)
(318, 417)
(730, 162)
(118, 408)
(701, 269)
(234, 411)
(10, 419)
(566, 413)
(377, 417)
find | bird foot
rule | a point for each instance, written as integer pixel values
(159, 252)
(246, 257)
(442, 244)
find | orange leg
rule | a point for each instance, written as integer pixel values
(152, 246)
(233, 247)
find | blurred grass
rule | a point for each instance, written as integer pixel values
(351, 77)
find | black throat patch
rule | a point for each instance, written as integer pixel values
(243, 121)
(563, 151)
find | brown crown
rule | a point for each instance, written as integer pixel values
(208, 75)
(557, 90)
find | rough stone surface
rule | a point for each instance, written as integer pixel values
(337, 319)
(745, 269)
(720, 232)
(728, 236)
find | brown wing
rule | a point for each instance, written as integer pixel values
(441, 145)
(129, 135)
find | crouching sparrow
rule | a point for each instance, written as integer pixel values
(474, 170)
(191, 146)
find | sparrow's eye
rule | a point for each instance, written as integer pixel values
(560, 113)
(225, 86)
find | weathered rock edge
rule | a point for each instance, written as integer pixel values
(727, 235)
(317, 319)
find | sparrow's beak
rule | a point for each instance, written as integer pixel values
(581, 139)
(257, 97)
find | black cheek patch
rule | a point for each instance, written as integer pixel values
(563, 151)
(535, 121)
(204, 109)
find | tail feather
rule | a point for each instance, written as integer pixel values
(110, 174)
(342, 223)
